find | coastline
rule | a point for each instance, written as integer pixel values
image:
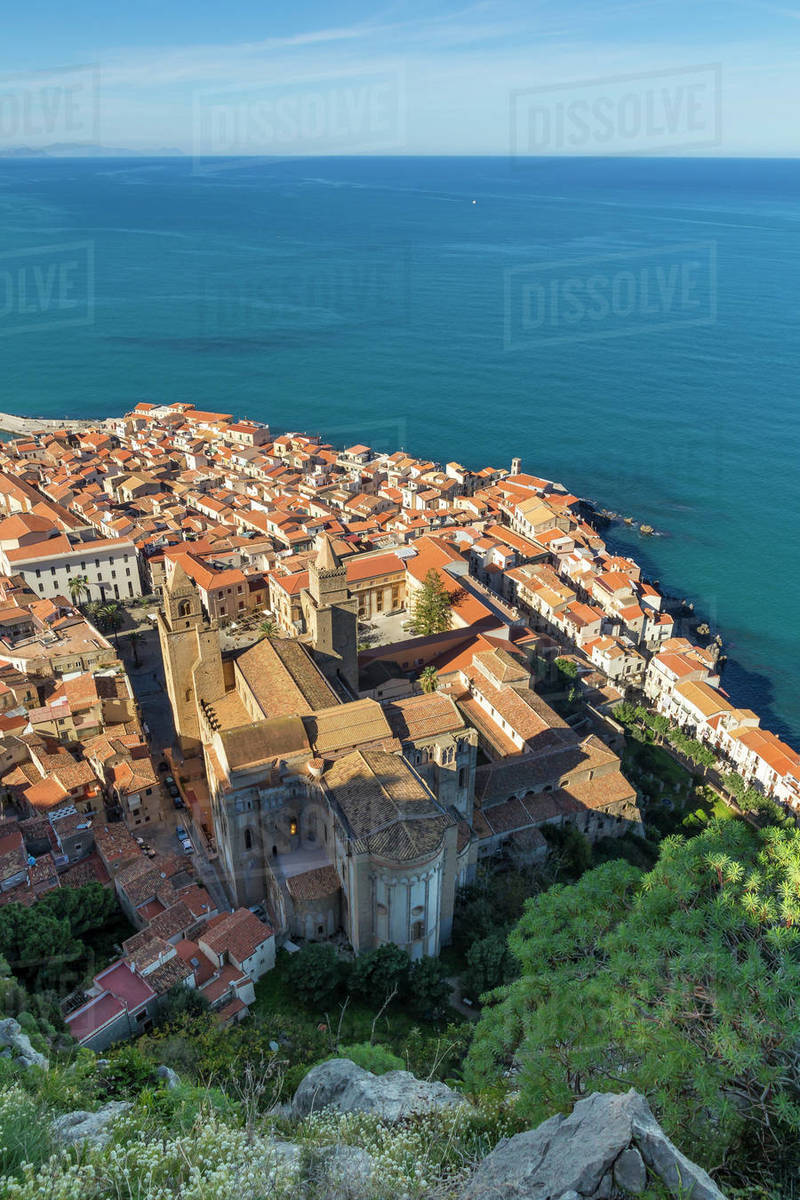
(14, 424)
(689, 613)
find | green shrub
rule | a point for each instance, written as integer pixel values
(377, 1059)
(24, 1131)
(177, 1109)
(490, 963)
(128, 1072)
(316, 974)
(65, 1087)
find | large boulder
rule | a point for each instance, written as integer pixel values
(342, 1085)
(609, 1145)
(91, 1127)
(16, 1044)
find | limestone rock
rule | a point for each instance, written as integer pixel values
(340, 1084)
(287, 1154)
(341, 1171)
(90, 1127)
(681, 1176)
(170, 1078)
(579, 1154)
(630, 1173)
(18, 1045)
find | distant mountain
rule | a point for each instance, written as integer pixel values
(86, 150)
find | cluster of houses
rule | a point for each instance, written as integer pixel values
(74, 754)
(242, 510)
(72, 743)
(181, 940)
(335, 791)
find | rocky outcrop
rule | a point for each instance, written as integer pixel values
(92, 1127)
(610, 1145)
(342, 1085)
(344, 1172)
(168, 1077)
(17, 1045)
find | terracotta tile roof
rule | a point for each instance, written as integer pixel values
(346, 725)
(169, 975)
(314, 885)
(424, 716)
(284, 679)
(386, 807)
(46, 794)
(173, 920)
(238, 934)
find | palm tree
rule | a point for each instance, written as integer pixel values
(429, 680)
(268, 628)
(78, 586)
(134, 638)
(112, 619)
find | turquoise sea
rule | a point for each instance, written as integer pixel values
(630, 327)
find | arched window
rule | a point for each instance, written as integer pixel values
(184, 608)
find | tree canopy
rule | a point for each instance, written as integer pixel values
(682, 983)
(40, 941)
(431, 607)
(428, 680)
(377, 974)
(315, 973)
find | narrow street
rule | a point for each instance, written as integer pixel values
(149, 687)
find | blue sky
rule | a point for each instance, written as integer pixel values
(406, 77)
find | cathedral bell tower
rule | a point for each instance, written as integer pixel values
(191, 654)
(331, 616)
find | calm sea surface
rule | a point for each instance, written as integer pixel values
(630, 327)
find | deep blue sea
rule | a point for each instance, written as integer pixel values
(630, 327)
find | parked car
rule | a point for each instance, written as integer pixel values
(177, 801)
(188, 848)
(181, 832)
(162, 766)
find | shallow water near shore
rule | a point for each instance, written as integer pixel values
(372, 300)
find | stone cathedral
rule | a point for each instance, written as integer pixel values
(339, 813)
